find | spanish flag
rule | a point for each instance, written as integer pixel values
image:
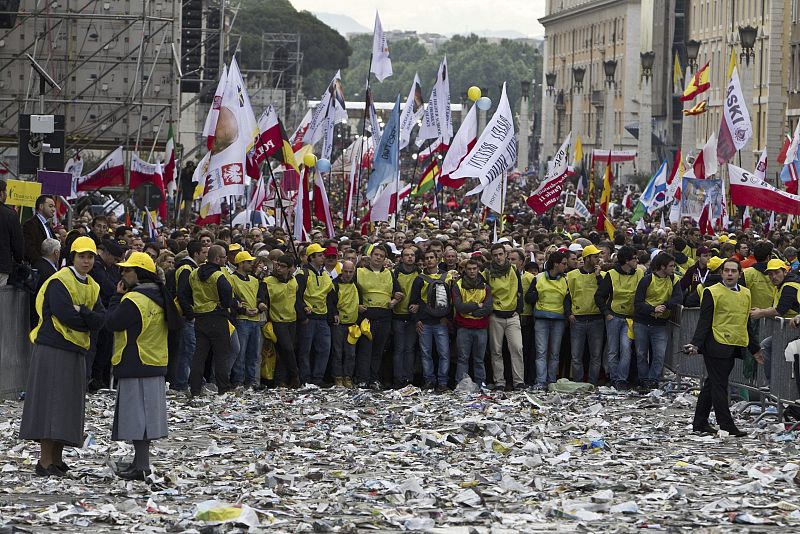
(603, 223)
(699, 83)
(697, 109)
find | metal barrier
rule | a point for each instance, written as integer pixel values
(783, 383)
(682, 327)
(15, 349)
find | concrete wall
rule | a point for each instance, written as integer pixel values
(15, 348)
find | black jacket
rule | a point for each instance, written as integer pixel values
(34, 234)
(44, 270)
(107, 277)
(704, 340)
(12, 244)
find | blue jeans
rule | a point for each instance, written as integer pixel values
(619, 349)
(582, 330)
(652, 339)
(547, 334)
(471, 346)
(766, 349)
(245, 367)
(435, 333)
(316, 334)
(185, 354)
(405, 335)
(343, 354)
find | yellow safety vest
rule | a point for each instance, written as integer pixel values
(152, 341)
(348, 303)
(551, 293)
(527, 279)
(659, 292)
(282, 299)
(791, 313)
(204, 293)
(582, 288)
(82, 294)
(178, 271)
(731, 313)
(761, 288)
(246, 292)
(317, 289)
(504, 289)
(624, 291)
(476, 296)
(405, 281)
(375, 287)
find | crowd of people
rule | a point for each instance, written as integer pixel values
(217, 310)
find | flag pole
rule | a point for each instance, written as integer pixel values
(503, 202)
(279, 204)
(344, 189)
(363, 131)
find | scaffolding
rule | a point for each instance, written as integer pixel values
(281, 60)
(113, 59)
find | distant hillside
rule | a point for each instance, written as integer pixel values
(342, 23)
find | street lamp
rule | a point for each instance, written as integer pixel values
(648, 58)
(692, 51)
(747, 38)
(610, 68)
(577, 76)
(550, 79)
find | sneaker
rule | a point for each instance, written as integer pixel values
(428, 385)
(442, 388)
(375, 385)
(362, 385)
(538, 387)
(519, 387)
(347, 382)
(338, 381)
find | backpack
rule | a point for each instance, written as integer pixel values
(438, 304)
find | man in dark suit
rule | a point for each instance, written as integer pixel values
(37, 228)
(45, 266)
(11, 240)
(722, 334)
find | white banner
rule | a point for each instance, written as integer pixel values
(437, 121)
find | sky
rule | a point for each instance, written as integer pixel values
(448, 17)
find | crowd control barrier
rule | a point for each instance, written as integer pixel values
(15, 348)
(682, 325)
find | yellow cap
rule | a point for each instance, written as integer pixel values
(314, 248)
(732, 241)
(590, 250)
(714, 263)
(365, 329)
(242, 256)
(776, 265)
(269, 332)
(723, 238)
(84, 244)
(234, 247)
(141, 260)
(353, 333)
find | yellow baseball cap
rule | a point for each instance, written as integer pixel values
(776, 265)
(141, 260)
(723, 238)
(233, 247)
(714, 263)
(269, 331)
(243, 256)
(353, 333)
(314, 248)
(83, 244)
(590, 250)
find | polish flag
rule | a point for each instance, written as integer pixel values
(705, 219)
(322, 209)
(302, 214)
(705, 165)
(746, 218)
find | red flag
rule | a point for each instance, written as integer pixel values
(784, 149)
(747, 190)
(302, 216)
(705, 220)
(322, 209)
(143, 172)
(169, 165)
(109, 173)
(746, 218)
(706, 163)
(546, 195)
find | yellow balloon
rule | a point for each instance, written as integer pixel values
(309, 160)
(474, 93)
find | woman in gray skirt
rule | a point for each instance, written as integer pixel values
(69, 308)
(141, 315)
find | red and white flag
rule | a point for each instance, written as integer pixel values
(748, 190)
(322, 209)
(770, 225)
(386, 202)
(170, 176)
(210, 126)
(761, 166)
(746, 218)
(705, 219)
(109, 173)
(735, 129)
(463, 142)
(705, 165)
(549, 191)
(302, 214)
(143, 172)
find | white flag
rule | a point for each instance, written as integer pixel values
(492, 194)
(463, 142)
(495, 151)
(330, 110)
(581, 210)
(381, 63)
(412, 112)
(210, 125)
(735, 128)
(791, 152)
(761, 166)
(248, 125)
(437, 121)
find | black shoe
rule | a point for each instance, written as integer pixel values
(133, 473)
(705, 429)
(63, 466)
(49, 471)
(428, 385)
(735, 432)
(441, 388)
(520, 387)
(375, 385)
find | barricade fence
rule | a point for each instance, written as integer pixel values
(15, 348)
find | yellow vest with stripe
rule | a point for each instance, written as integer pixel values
(152, 341)
(796, 286)
(375, 287)
(205, 296)
(551, 293)
(476, 296)
(348, 303)
(405, 281)
(282, 299)
(731, 313)
(246, 292)
(317, 289)
(762, 290)
(504, 289)
(178, 272)
(81, 294)
(527, 279)
(582, 288)
(624, 291)
(659, 292)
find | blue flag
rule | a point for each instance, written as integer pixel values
(387, 162)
